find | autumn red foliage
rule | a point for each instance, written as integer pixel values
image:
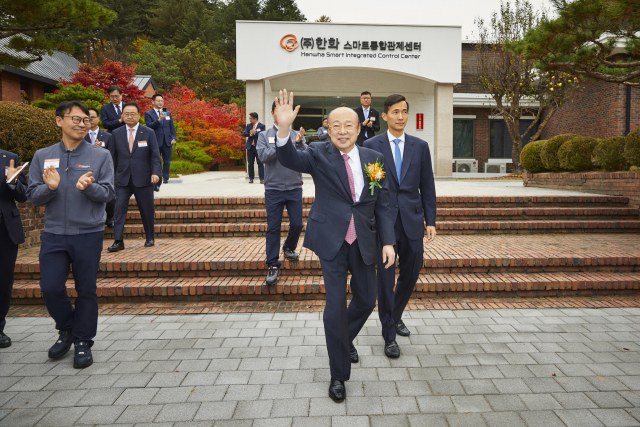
(111, 73)
(217, 126)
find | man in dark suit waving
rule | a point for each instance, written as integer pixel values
(413, 201)
(368, 117)
(161, 121)
(136, 160)
(11, 234)
(348, 219)
(251, 132)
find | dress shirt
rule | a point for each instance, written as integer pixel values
(365, 111)
(118, 105)
(354, 162)
(93, 134)
(135, 131)
(393, 145)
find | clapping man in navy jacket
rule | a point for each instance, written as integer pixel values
(11, 234)
(413, 201)
(111, 114)
(136, 160)
(252, 132)
(161, 121)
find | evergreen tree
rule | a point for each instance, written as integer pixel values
(281, 10)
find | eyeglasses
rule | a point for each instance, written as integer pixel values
(77, 119)
(365, 97)
(129, 114)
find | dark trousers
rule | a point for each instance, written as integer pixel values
(7, 265)
(165, 153)
(275, 201)
(111, 208)
(252, 154)
(82, 252)
(341, 323)
(144, 199)
(391, 304)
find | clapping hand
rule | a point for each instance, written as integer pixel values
(84, 181)
(252, 132)
(285, 113)
(366, 123)
(51, 178)
(300, 135)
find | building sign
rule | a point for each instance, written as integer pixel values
(419, 121)
(289, 42)
(323, 47)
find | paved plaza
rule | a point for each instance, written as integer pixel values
(531, 367)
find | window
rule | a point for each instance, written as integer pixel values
(501, 144)
(463, 138)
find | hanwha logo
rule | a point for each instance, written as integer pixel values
(289, 42)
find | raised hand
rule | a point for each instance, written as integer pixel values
(300, 135)
(84, 181)
(51, 178)
(285, 113)
(11, 171)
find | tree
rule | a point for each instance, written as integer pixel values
(585, 40)
(281, 10)
(111, 73)
(89, 96)
(178, 22)
(323, 18)
(160, 61)
(31, 30)
(224, 25)
(516, 86)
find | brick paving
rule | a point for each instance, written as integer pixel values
(533, 366)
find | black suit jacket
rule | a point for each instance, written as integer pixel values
(8, 198)
(331, 212)
(139, 164)
(371, 131)
(110, 117)
(415, 197)
(102, 136)
(253, 139)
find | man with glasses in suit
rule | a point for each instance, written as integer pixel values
(369, 118)
(99, 137)
(111, 114)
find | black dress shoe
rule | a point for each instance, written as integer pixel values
(62, 346)
(272, 275)
(402, 330)
(337, 391)
(165, 181)
(262, 181)
(82, 357)
(118, 245)
(353, 353)
(392, 350)
(250, 181)
(5, 341)
(290, 255)
(156, 187)
(110, 222)
(149, 243)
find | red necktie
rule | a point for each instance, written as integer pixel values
(351, 231)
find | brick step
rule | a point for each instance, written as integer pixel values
(228, 203)
(312, 287)
(446, 214)
(207, 230)
(455, 254)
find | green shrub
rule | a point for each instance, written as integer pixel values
(632, 148)
(89, 96)
(530, 157)
(549, 151)
(183, 167)
(24, 129)
(609, 154)
(192, 152)
(575, 154)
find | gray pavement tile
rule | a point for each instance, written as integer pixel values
(380, 388)
(168, 379)
(63, 398)
(446, 387)
(515, 371)
(615, 417)
(399, 405)
(277, 391)
(274, 422)
(312, 390)
(413, 388)
(574, 401)
(422, 374)
(101, 415)
(177, 412)
(501, 419)
(25, 399)
(24, 417)
(132, 381)
(199, 378)
(454, 373)
(465, 420)
(139, 414)
(575, 384)
(506, 402)
(541, 419)
(324, 406)
(61, 417)
(100, 397)
(233, 377)
(31, 383)
(136, 396)
(243, 392)
(216, 411)
(98, 381)
(431, 420)
(290, 408)
(389, 421)
(171, 395)
(478, 387)
(65, 382)
(578, 418)
(608, 399)
(607, 383)
(311, 422)
(435, 404)
(470, 404)
(363, 406)
(393, 374)
(540, 402)
(543, 385)
(511, 386)
(210, 393)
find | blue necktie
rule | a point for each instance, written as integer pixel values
(398, 159)
(119, 111)
(366, 116)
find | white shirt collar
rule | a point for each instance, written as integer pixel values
(391, 137)
(275, 126)
(118, 105)
(94, 131)
(353, 154)
(135, 129)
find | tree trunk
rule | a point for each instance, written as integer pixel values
(513, 126)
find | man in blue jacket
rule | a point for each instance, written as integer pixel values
(161, 121)
(74, 181)
(412, 201)
(111, 114)
(251, 132)
(11, 234)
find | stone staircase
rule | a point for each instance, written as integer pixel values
(245, 217)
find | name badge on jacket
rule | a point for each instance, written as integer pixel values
(51, 162)
(272, 140)
(142, 143)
